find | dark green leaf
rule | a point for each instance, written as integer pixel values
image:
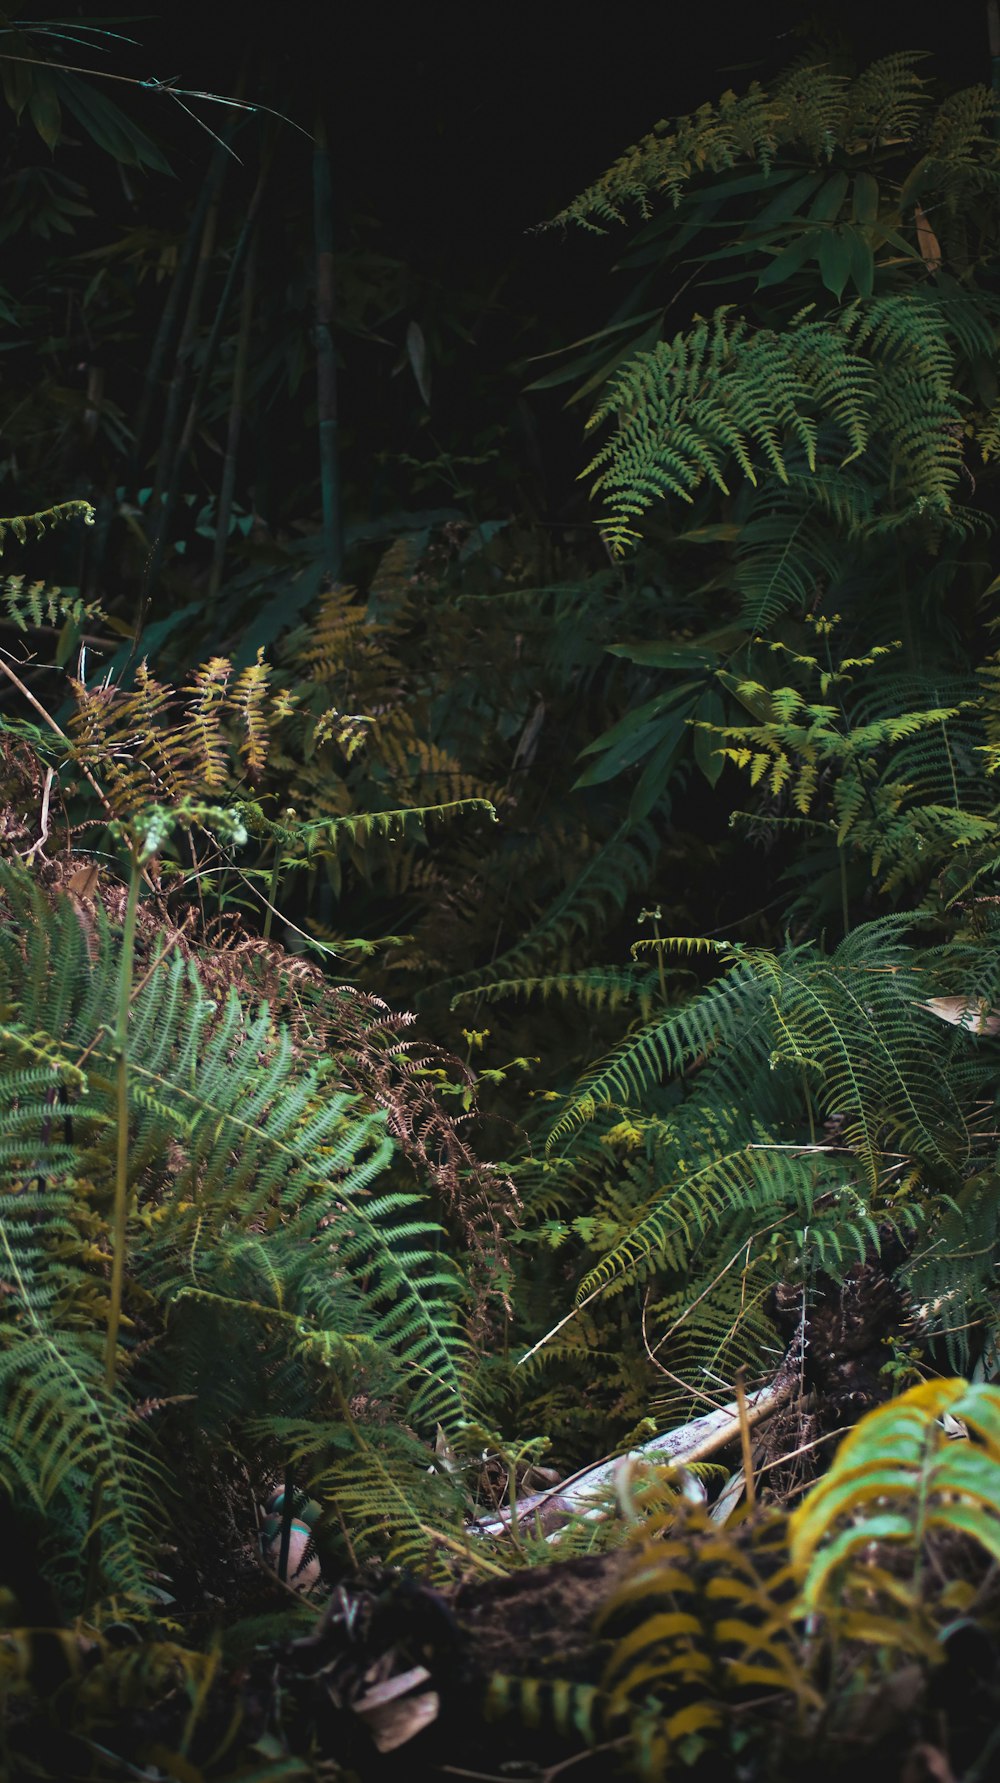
(624, 753)
(791, 259)
(107, 125)
(835, 260)
(634, 721)
(862, 263)
(46, 114)
(785, 205)
(18, 83)
(710, 710)
(655, 776)
(864, 207)
(826, 205)
(665, 655)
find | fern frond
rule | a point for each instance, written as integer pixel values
(41, 603)
(899, 1475)
(36, 525)
(829, 390)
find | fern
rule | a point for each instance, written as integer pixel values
(811, 111)
(623, 865)
(39, 603)
(898, 1477)
(252, 1185)
(877, 379)
(25, 526)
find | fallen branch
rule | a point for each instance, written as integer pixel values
(692, 1442)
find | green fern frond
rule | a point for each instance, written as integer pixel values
(877, 379)
(622, 866)
(36, 525)
(41, 603)
(595, 987)
(898, 1476)
(259, 1207)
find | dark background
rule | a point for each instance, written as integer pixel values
(459, 127)
(455, 131)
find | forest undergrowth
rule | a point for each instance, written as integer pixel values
(499, 1009)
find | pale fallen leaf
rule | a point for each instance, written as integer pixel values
(963, 1014)
(927, 1764)
(392, 1716)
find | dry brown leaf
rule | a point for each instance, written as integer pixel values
(927, 241)
(83, 883)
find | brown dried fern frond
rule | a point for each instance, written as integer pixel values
(155, 743)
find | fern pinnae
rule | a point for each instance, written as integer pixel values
(659, 1047)
(60, 1416)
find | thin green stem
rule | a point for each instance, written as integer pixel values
(844, 905)
(659, 960)
(807, 1093)
(120, 1214)
(272, 892)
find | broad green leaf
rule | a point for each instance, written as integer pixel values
(791, 259)
(784, 205)
(864, 205)
(862, 264)
(899, 242)
(624, 754)
(756, 704)
(107, 125)
(636, 719)
(826, 205)
(665, 655)
(46, 114)
(835, 260)
(656, 774)
(18, 82)
(709, 710)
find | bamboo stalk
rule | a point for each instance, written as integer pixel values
(227, 487)
(326, 365)
(189, 329)
(745, 1446)
(170, 493)
(179, 287)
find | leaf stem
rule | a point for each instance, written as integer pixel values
(120, 1213)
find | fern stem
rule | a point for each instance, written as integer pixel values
(807, 1093)
(272, 892)
(120, 1213)
(659, 956)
